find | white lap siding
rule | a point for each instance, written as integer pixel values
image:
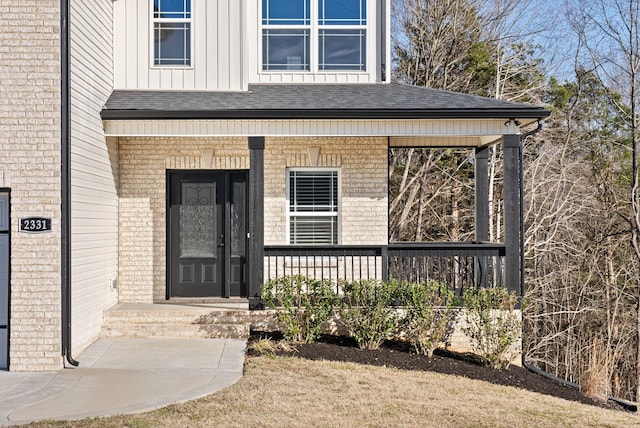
(94, 172)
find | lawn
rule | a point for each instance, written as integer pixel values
(295, 392)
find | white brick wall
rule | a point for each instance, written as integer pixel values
(143, 170)
(143, 163)
(362, 163)
(30, 167)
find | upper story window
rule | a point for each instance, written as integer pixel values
(172, 32)
(314, 35)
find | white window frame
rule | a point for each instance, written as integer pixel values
(289, 213)
(152, 26)
(314, 29)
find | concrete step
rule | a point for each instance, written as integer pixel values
(210, 331)
(177, 321)
(188, 317)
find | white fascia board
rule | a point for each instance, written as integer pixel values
(488, 129)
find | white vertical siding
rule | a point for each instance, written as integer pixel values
(224, 54)
(94, 197)
(374, 57)
(216, 62)
(226, 49)
(210, 49)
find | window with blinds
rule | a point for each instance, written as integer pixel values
(313, 207)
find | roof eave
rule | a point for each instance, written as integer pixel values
(334, 114)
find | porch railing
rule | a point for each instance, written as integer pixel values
(458, 264)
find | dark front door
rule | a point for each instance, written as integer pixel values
(207, 234)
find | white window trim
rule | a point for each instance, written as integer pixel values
(288, 213)
(314, 43)
(153, 20)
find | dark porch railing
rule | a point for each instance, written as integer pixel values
(458, 264)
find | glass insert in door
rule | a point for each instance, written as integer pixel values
(198, 235)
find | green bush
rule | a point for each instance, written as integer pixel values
(367, 311)
(429, 315)
(492, 324)
(302, 305)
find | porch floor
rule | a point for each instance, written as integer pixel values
(186, 304)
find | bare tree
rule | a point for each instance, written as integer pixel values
(583, 301)
(434, 42)
(430, 194)
(470, 46)
(581, 275)
(578, 313)
(610, 34)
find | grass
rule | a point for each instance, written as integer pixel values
(291, 392)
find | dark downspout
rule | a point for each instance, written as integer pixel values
(65, 223)
(521, 168)
(627, 405)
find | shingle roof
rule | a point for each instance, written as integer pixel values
(315, 101)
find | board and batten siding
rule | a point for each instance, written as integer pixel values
(217, 48)
(94, 172)
(377, 58)
(226, 49)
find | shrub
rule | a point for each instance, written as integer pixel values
(429, 315)
(492, 325)
(302, 305)
(367, 311)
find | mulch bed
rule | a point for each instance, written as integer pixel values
(401, 356)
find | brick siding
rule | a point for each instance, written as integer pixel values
(30, 167)
(362, 163)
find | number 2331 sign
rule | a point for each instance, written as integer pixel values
(35, 225)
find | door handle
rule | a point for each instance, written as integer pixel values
(221, 244)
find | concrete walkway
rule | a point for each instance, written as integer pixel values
(118, 376)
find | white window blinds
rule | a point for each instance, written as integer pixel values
(313, 207)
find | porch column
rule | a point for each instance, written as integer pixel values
(481, 179)
(482, 193)
(255, 274)
(512, 204)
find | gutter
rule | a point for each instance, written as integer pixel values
(65, 152)
(627, 405)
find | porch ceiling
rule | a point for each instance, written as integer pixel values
(401, 133)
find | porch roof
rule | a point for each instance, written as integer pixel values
(313, 101)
